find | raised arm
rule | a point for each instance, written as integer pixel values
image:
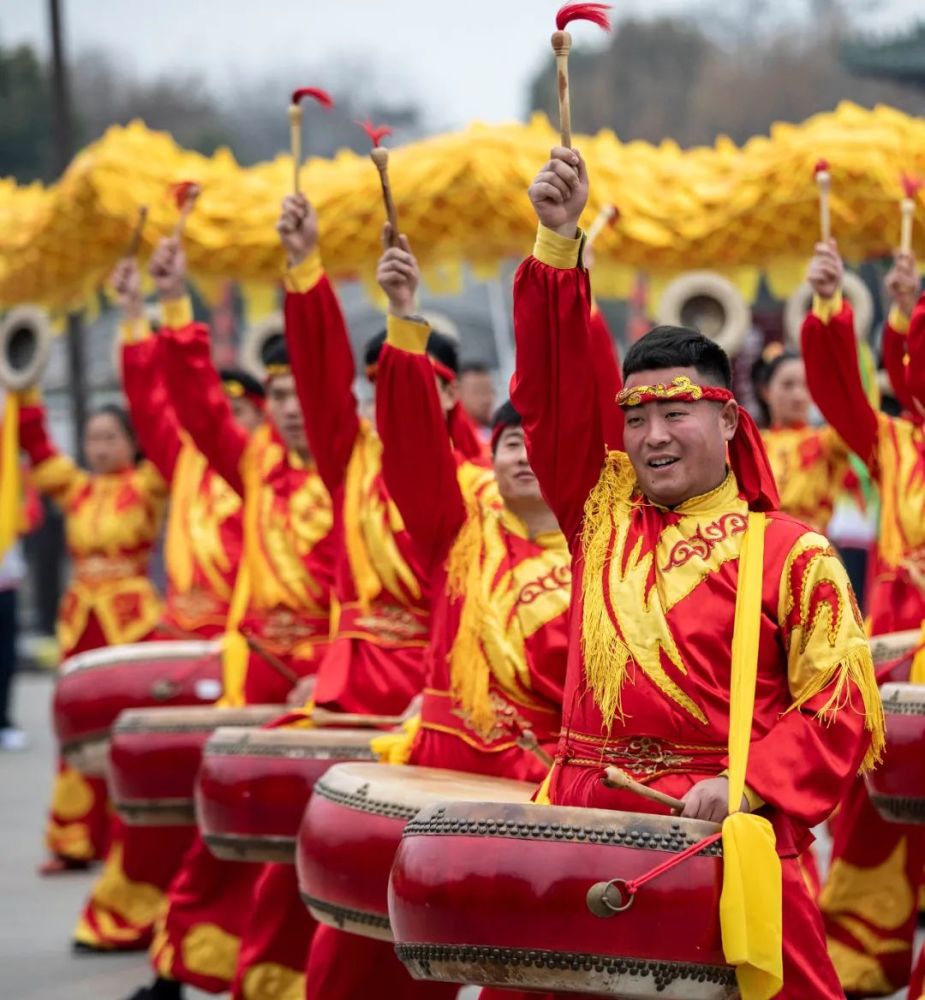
(319, 346)
(554, 387)
(831, 357)
(54, 474)
(143, 380)
(804, 764)
(607, 375)
(193, 384)
(417, 457)
(902, 286)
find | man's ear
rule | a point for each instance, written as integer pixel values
(729, 419)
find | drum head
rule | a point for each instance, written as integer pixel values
(141, 652)
(194, 718)
(893, 645)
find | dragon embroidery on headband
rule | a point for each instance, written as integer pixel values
(680, 388)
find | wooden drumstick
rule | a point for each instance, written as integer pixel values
(321, 717)
(911, 186)
(185, 194)
(824, 184)
(295, 125)
(527, 740)
(561, 45)
(380, 156)
(615, 778)
(607, 216)
(135, 242)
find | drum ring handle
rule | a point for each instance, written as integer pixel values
(164, 689)
(599, 902)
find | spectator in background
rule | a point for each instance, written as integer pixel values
(477, 394)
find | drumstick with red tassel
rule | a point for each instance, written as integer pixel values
(911, 187)
(824, 184)
(323, 98)
(380, 156)
(185, 194)
(615, 778)
(607, 216)
(562, 45)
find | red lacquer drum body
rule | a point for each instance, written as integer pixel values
(897, 786)
(527, 897)
(94, 687)
(253, 786)
(156, 752)
(352, 828)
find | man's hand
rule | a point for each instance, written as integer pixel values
(302, 693)
(709, 799)
(903, 282)
(560, 191)
(125, 282)
(826, 270)
(398, 274)
(168, 269)
(297, 228)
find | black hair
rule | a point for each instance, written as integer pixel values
(679, 347)
(763, 372)
(505, 416)
(250, 385)
(122, 418)
(275, 352)
(439, 346)
(474, 368)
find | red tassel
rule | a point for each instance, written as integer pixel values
(822, 166)
(182, 191)
(594, 12)
(614, 217)
(911, 185)
(321, 96)
(376, 133)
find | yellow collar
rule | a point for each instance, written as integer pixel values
(721, 498)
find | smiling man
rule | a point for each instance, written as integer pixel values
(655, 529)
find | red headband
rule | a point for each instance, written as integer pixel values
(747, 454)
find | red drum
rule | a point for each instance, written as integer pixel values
(892, 646)
(897, 786)
(352, 828)
(531, 897)
(253, 786)
(156, 752)
(94, 687)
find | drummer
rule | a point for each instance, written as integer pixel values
(498, 572)
(113, 512)
(284, 584)
(872, 948)
(655, 531)
(202, 552)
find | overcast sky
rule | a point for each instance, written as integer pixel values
(462, 60)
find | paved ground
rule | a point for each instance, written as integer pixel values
(37, 915)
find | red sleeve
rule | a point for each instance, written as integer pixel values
(834, 377)
(33, 435)
(153, 416)
(894, 361)
(608, 377)
(323, 366)
(201, 404)
(915, 373)
(417, 457)
(550, 387)
(466, 438)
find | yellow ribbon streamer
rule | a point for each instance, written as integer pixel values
(235, 651)
(10, 487)
(750, 907)
(917, 670)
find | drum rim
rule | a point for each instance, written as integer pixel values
(405, 771)
(131, 720)
(107, 656)
(234, 844)
(319, 743)
(900, 698)
(343, 916)
(897, 644)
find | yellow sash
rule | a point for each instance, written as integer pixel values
(235, 650)
(10, 494)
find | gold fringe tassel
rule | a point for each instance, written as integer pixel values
(395, 748)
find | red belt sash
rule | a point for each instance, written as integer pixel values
(643, 758)
(383, 624)
(442, 713)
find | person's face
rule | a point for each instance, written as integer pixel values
(448, 393)
(516, 481)
(786, 394)
(246, 415)
(477, 395)
(284, 410)
(107, 447)
(678, 450)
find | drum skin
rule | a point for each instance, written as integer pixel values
(352, 828)
(94, 687)
(502, 895)
(897, 786)
(253, 786)
(890, 646)
(155, 754)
